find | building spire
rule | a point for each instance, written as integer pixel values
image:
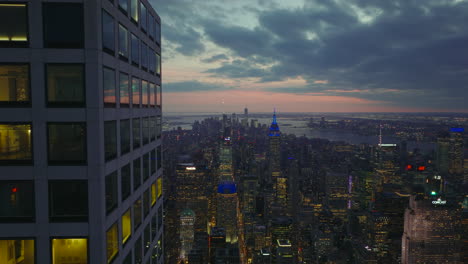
(274, 116)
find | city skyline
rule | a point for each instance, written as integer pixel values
(314, 56)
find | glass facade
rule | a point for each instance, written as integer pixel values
(63, 25)
(110, 140)
(143, 17)
(66, 249)
(13, 25)
(124, 136)
(136, 133)
(17, 251)
(136, 174)
(66, 143)
(144, 94)
(111, 192)
(135, 50)
(123, 42)
(108, 83)
(65, 85)
(15, 143)
(17, 201)
(137, 214)
(136, 92)
(125, 181)
(68, 200)
(123, 6)
(152, 95)
(144, 56)
(124, 85)
(134, 10)
(14, 84)
(112, 242)
(126, 226)
(108, 32)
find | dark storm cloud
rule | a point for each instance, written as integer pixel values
(193, 86)
(237, 69)
(187, 41)
(216, 58)
(411, 46)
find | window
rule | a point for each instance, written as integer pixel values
(137, 214)
(110, 140)
(158, 95)
(66, 143)
(63, 25)
(111, 192)
(153, 194)
(143, 15)
(144, 93)
(152, 95)
(158, 64)
(145, 131)
(108, 82)
(128, 258)
(112, 242)
(135, 50)
(136, 92)
(159, 150)
(65, 85)
(14, 25)
(160, 187)
(158, 126)
(14, 84)
(153, 158)
(160, 217)
(137, 250)
(136, 173)
(144, 56)
(124, 90)
(146, 202)
(124, 136)
(65, 249)
(151, 25)
(68, 200)
(147, 238)
(157, 33)
(151, 60)
(154, 228)
(125, 181)
(17, 251)
(108, 33)
(146, 167)
(17, 202)
(152, 127)
(123, 6)
(123, 42)
(126, 226)
(136, 133)
(15, 143)
(134, 10)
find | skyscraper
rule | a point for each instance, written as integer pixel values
(80, 132)
(187, 232)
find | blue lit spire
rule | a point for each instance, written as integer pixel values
(274, 128)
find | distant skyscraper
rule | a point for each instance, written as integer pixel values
(456, 152)
(187, 232)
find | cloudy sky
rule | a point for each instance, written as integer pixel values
(314, 55)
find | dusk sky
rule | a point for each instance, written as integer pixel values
(314, 55)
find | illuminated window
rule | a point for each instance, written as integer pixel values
(124, 84)
(134, 10)
(123, 42)
(126, 226)
(144, 56)
(152, 95)
(146, 167)
(110, 140)
(136, 173)
(137, 214)
(136, 92)
(13, 25)
(15, 144)
(108, 33)
(111, 192)
(65, 85)
(123, 6)
(144, 93)
(145, 130)
(69, 250)
(125, 181)
(14, 84)
(135, 50)
(136, 133)
(108, 83)
(67, 143)
(112, 242)
(158, 64)
(124, 136)
(68, 200)
(17, 251)
(17, 202)
(143, 15)
(158, 96)
(160, 187)
(63, 25)
(146, 202)
(153, 194)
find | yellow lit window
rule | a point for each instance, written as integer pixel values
(17, 251)
(15, 142)
(126, 226)
(13, 24)
(153, 194)
(160, 187)
(69, 250)
(112, 242)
